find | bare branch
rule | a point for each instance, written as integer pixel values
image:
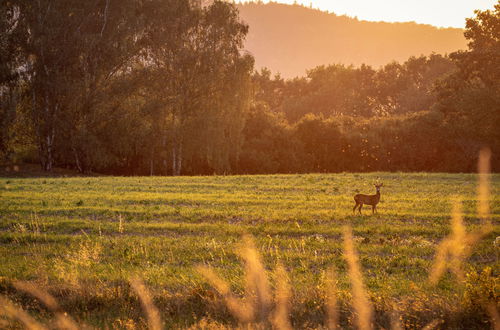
(105, 17)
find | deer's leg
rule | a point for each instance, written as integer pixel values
(373, 209)
(360, 206)
(354, 208)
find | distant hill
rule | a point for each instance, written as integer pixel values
(291, 39)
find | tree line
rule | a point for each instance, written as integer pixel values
(164, 87)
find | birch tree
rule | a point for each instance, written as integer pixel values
(71, 49)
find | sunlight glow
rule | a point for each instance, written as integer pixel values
(441, 13)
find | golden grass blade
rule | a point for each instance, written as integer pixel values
(208, 324)
(4, 323)
(483, 190)
(255, 307)
(152, 313)
(258, 289)
(243, 312)
(457, 248)
(41, 295)
(120, 224)
(432, 325)
(63, 320)
(361, 303)
(494, 315)
(395, 321)
(440, 262)
(281, 318)
(483, 195)
(8, 309)
(454, 249)
(332, 314)
(458, 245)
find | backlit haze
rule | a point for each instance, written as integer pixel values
(441, 13)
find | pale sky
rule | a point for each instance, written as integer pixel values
(442, 13)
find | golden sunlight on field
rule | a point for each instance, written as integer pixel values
(214, 164)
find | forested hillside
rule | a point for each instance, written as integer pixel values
(291, 39)
(165, 87)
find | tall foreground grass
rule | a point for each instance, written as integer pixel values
(266, 304)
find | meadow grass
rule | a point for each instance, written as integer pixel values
(84, 239)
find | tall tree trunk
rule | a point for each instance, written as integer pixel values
(179, 158)
(77, 160)
(41, 153)
(175, 146)
(164, 147)
(174, 159)
(50, 136)
(49, 152)
(151, 162)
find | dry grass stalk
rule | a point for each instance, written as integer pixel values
(8, 309)
(395, 322)
(484, 194)
(453, 249)
(207, 324)
(483, 190)
(120, 224)
(432, 325)
(332, 314)
(257, 285)
(440, 264)
(456, 248)
(63, 320)
(361, 303)
(239, 308)
(49, 301)
(256, 305)
(281, 318)
(494, 315)
(152, 313)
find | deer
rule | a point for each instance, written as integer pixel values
(372, 200)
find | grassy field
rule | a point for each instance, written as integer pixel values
(83, 239)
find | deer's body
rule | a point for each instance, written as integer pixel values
(372, 200)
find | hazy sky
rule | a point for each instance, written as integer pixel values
(443, 13)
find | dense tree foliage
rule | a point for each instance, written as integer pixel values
(361, 92)
(470, 97)
(427, 114)
(111, 86)
(164, 87)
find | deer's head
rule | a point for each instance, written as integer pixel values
(378, 185)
